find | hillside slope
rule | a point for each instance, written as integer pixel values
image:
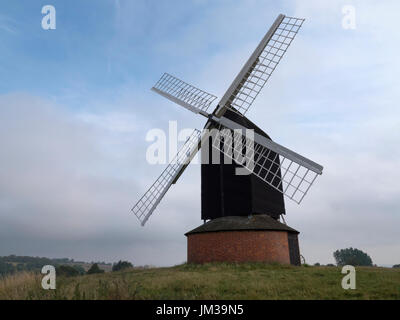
(212, 281)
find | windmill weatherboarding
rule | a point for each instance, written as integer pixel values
(273, 170)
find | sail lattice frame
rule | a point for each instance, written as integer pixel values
(281, 171)
(186, 95)
(149, 201)
(262, 69)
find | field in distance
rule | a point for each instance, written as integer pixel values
(211, 281)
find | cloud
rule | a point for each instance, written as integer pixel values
(7, 24)
(62, 192)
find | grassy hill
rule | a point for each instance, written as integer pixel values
(211, 281)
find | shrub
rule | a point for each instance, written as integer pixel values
(79, 268)
(95, 269)
(6, 268)
(121, 265)
(66, 271)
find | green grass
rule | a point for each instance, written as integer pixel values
(211, 281)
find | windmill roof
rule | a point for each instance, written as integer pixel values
(242, 223)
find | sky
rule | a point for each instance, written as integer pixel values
(75, 108)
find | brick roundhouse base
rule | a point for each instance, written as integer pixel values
(239, 246)
(244, 240)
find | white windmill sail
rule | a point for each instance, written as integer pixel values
(149, 201)
(261, 64)
(184, 94)
(283, 169)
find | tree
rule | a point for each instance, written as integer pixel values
(95, 269)
(353, 257)
(121, 265)
(317, 264)
(6, 268)
(66, 271)
(79, 268)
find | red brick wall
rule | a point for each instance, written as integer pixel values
(239, 246)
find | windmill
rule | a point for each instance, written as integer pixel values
(254, 198)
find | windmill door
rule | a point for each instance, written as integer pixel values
(294, 251)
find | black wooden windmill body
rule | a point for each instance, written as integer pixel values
(273, 170)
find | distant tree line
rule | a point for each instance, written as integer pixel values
(12, 264)
(317, 264)
(353, 257)
(69, 270)
(64, 266)
(121, 265)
